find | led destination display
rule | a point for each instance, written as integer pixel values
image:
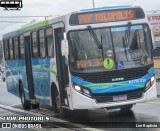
(106, 16)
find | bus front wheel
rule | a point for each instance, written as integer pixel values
(25, 103)
(62, 112)
(56, 102)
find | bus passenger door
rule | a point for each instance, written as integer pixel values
(62, 68)
(28, 63)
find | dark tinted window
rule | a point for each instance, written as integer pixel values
(50, 43)
(16, 54)
(34, 45)
(11, 49)
(6, 51)
(42, 43)
(21, 47)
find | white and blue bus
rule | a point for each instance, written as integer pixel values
(89, 59)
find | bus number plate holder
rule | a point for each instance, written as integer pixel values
(120, 98)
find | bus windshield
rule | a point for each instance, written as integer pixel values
(122, 48)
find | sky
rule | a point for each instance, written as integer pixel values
(59, 7)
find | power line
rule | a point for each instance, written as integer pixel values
(153, 11)
(14, 21)
(128, 2)
(93, 3)
(19, 16)
(28, 16)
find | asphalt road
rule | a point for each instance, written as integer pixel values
(7, 98)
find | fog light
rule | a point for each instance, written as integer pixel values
(86, 91)
(148, 85)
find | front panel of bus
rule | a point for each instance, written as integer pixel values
(110, 60)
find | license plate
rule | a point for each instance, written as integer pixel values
(120, 98)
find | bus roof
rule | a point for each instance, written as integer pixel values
(106, 7)
(26, 28)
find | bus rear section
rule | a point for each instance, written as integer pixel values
(110, 59)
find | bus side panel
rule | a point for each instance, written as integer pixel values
(23, 77)
(41, 78)
(9, 78)
(15, 72)
(12, 75)
(46, 83)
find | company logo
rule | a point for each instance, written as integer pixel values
(117, 79)
(6, 125)
(11, 4)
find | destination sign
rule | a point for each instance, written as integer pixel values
(106, 16)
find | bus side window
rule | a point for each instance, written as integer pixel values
(16, 48)
(11, 49)
(21, 47)
(6, 51)
(34, 45)
(49, 42)
(42, 43)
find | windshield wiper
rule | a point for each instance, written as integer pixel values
(96, 40)
(125, 39)
(94, 36)
(124, 46)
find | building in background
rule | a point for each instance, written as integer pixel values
(154, 20)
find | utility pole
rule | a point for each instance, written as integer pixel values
(93, 3)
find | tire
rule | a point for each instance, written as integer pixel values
(25, 103)
(126, 108)
(62, 112)
(56, 102)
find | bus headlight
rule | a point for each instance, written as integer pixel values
(78, 88)
(82, 90)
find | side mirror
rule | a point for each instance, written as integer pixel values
(64, 47)
(152, 39)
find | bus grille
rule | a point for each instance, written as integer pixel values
(108, 76)
(103, 98)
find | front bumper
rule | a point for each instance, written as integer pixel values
(82, 102)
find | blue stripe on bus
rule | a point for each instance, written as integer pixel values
(115, 86)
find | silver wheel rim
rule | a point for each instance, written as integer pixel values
(58, 103)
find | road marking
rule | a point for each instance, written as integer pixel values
(154, 102)
(51, 118)
(149, 103)
(15, 104)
